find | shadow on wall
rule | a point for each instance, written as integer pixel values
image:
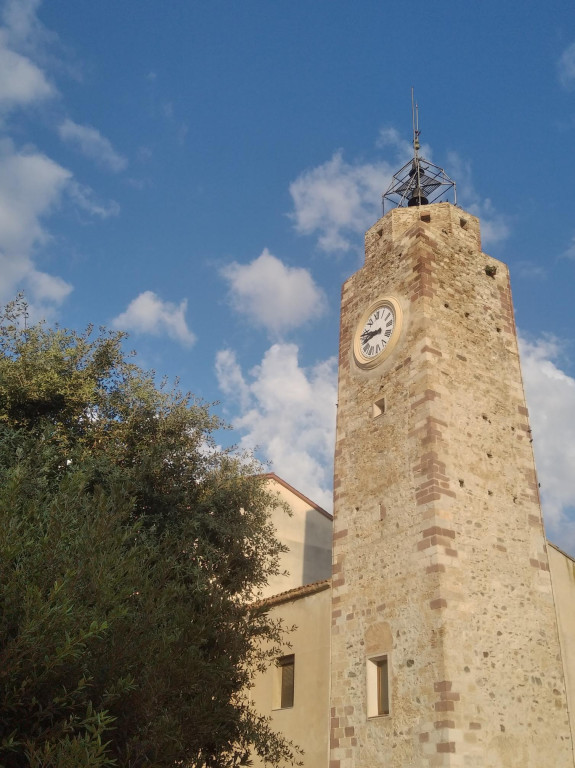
(316, 548)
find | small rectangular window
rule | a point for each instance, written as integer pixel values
(286, 679)
(378, 696)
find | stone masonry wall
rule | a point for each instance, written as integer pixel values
(439, 553)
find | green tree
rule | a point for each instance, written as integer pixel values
(132, 550)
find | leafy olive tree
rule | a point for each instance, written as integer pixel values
(132, 550)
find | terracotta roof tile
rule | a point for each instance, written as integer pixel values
(294, 594)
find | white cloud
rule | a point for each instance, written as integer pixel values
(83, 197)
(21, 81)
(92, 144)
(495, 226)
(287, 412)
(273, 295)
(339, 201)
(31, 184)
(390, 137)
(566, 66)
(231, 379)
(551, 398)
(49, 288)
(22, 23)
(31, 187)
(147, 313)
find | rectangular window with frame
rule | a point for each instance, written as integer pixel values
(378, 686)
(285, 682)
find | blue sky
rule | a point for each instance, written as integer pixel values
(201, 174)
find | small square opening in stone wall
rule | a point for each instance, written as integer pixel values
(426, 217)
(378, 407)
(463, 223)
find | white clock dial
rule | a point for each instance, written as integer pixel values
(377, 332)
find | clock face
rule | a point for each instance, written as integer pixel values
(377, 332)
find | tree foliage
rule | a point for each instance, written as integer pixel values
(131, 552)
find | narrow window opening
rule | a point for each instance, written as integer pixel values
(285, 679)
(426, 217)
(463, 223)
(379, 407)
(378, 686)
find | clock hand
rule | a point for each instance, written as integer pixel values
(367, 335)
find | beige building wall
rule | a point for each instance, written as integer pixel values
(562, 568)
(307, 722)
(307, 534)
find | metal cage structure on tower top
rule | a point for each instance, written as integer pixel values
(419, 181)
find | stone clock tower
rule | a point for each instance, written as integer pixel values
(444, 648)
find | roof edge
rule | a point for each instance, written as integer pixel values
(312, 504)
(293, 594)
(567, 555)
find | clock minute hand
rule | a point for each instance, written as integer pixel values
(368, 335)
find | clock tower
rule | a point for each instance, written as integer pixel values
(444, 646)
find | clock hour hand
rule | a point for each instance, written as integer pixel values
(367, 335)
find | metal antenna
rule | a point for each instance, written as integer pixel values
(418, 179)
(417, 195)
(415, 123)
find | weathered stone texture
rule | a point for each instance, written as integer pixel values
(438, 531)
